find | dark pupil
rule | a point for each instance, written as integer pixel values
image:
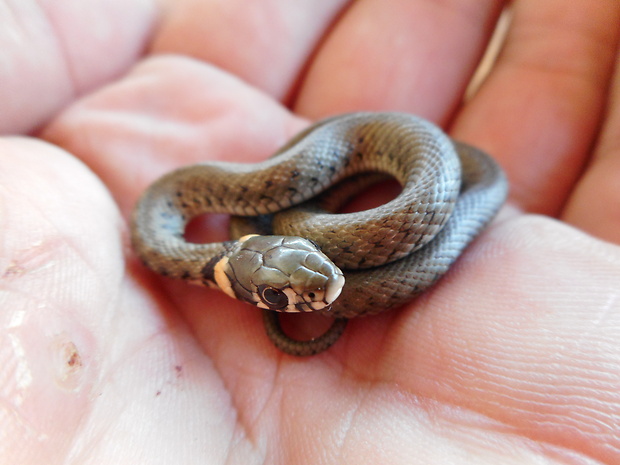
(275, 298)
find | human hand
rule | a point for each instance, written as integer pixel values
(512, 357)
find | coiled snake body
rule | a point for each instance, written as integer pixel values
(450, 191)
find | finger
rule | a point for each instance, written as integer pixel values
(264, 43)
(54, 286)
(52, 52)
(401, 55)
(539, 110)
(87, 356)
(168, 112)
(594, 205)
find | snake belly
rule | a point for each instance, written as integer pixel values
(388, 254)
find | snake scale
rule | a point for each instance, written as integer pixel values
(307, 258)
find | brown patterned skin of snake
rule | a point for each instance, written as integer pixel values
(388, 254)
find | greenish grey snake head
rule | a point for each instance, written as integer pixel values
(280, 273)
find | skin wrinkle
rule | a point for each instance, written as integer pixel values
(248, 427)
(586, 337)
(541, 400)
(241, 430)
(524, 432)
(487, 356)
(518, 404)
(485, 426)
(355, 415)
(344, 431)
(551, 420)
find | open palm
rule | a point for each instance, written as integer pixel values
(514, 357)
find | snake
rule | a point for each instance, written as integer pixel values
(292, 250)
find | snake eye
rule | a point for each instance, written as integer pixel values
(274, 298)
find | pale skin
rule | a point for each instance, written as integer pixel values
(513, 358)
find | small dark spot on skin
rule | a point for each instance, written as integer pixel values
(184, 205)
(294, 173)
(178, 369)
(359, 154)
(179, 194)
(68, 363)
(314, 180)
(268, 183)
(185, 275)
(292, 190)
(158, 393)
(332, 169)
(361, 139)
(74, 359)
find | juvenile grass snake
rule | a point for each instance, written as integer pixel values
(388, 254)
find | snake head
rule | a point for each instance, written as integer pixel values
(281, 273)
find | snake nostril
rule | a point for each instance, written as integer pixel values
(311, 295)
